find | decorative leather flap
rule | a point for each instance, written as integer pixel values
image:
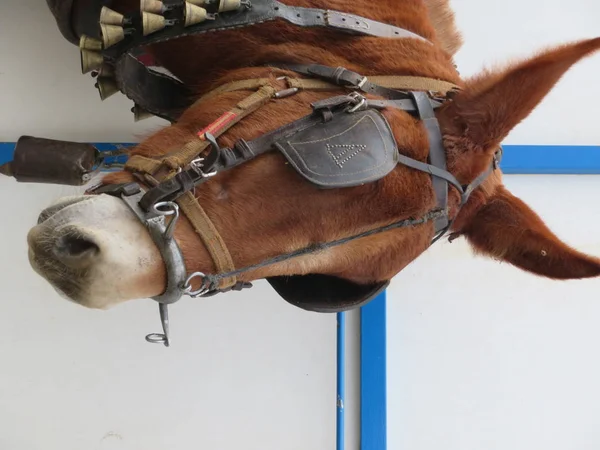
(349, 150)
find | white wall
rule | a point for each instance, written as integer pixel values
(246, 370)
(482, 355)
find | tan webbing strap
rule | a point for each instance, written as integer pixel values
(309, 84)
(250, 84)
(210, 236)
(202, 224)
(243, 109)
(390, 82)
(414, 83)
(143, 164)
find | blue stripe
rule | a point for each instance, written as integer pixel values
(531, 159)
(7, 150)
(341, 379)
(550, 159)
(373, 387)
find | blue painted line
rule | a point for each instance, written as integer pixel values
(341, 380)
(551, 159)
(373, 373)
(531, 159)
(7, 150)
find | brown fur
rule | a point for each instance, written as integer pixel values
(264, 208)
(442, 19)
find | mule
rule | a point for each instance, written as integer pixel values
(94, 251)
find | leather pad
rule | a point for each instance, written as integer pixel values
(349, 150)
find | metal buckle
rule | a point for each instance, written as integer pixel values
(362, 82)
(359, 102)
(197, 165)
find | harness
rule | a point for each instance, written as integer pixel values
(345, 141)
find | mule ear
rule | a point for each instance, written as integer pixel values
(493, 103)
(506, 229)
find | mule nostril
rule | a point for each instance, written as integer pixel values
(75, 251)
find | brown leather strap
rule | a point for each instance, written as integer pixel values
(308, 84)
(202, 224)
(243, 109)
(211, 238)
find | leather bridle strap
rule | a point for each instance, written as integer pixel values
(340, 76)
(398, 82)
(200, 221)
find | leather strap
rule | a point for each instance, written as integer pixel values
(209, 235)
(164, 96)
(343, 77)
(437, 154)
(196, 215)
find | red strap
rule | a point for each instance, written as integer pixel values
(218, 125)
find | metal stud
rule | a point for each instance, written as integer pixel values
(106, 87)
(88, 43)
(112, 34)
(110, 17)
(140, 113)
(229, 5)
(154, 22)
(152, 6)
(194, 14)
(90, 60)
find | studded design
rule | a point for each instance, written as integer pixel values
(346, 148)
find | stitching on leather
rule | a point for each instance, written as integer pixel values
(377, 170)
(348, 147)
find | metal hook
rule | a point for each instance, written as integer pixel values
(173, 209)
(164, 338)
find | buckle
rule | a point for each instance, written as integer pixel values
(360, 102)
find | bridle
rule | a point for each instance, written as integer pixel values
(164, 187)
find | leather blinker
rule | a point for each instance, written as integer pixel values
(350, 150)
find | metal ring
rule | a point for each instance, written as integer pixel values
(158, 338)
(174, 208)
(187, 286)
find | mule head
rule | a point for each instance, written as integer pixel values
(96, 252)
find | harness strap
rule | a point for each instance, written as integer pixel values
(437, 155)
(211, 238)
(311, 84)
(243, 109)
(195, 213)
(384, 86)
